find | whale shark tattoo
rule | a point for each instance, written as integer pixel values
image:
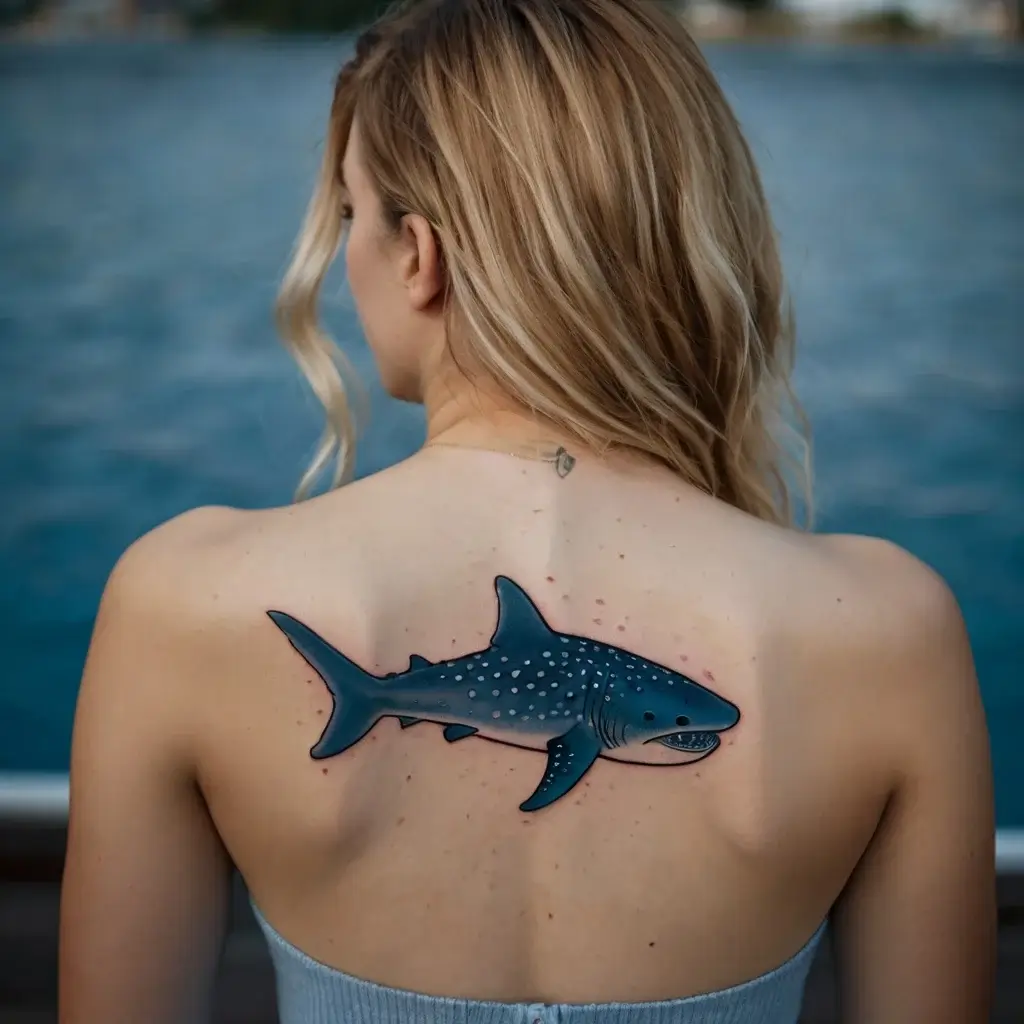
(570, 696)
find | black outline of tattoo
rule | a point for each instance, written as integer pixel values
(574, 697)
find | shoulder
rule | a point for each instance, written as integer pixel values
(891, 630)
(185, 535)
(176, 564)
(185, 589)
(850, 592)
(892, 592)
(181, 616)
(197, 587)
(871, 630)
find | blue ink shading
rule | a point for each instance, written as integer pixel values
(533, 688)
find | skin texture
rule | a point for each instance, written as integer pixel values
(857, 779)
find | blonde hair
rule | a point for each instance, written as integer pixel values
(610, 257)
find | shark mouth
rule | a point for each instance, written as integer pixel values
(691, 742)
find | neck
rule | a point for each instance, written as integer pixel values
(459, 411)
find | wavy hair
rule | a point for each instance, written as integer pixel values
(610, 257)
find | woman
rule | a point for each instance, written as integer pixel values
(596, 735)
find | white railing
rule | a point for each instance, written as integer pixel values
(43, 799)
(35, 799)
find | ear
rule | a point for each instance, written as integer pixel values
(421, 265)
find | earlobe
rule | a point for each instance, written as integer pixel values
(423, 265)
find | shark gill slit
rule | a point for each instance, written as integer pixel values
(596, 718)
(598, 715)
(604, 710)
(589, 709)
(619, 730)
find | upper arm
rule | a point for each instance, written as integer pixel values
(916, 923)
(146, 880)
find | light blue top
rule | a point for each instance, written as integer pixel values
(309, 992)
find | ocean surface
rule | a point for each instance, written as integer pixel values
(149, 195)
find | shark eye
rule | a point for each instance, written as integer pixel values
(682, 720)
(648, 716)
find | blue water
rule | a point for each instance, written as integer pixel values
(148, 198)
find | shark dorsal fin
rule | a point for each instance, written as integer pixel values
(417, 661)
(518, 617)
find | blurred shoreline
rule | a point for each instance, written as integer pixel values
(992, 22)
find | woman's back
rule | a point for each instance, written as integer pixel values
(406, 858)
(556, 241)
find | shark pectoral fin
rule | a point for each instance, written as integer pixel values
(458, 732)
(407, 721)
(569, 758)
(417, 661)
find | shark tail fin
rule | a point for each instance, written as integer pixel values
(357, 706)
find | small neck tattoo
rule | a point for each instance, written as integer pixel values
(563, 462)
(557, 457)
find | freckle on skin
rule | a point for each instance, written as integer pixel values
(400, 821)
(621, 555)
(708, 675)
(408, 778)
(597, 621)
(324, 770)
(565, 597)
(621, 629)
(600, 600)
(550, 579)
(683, 657)
(320, 711)
(551, 917)
(651, 944)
